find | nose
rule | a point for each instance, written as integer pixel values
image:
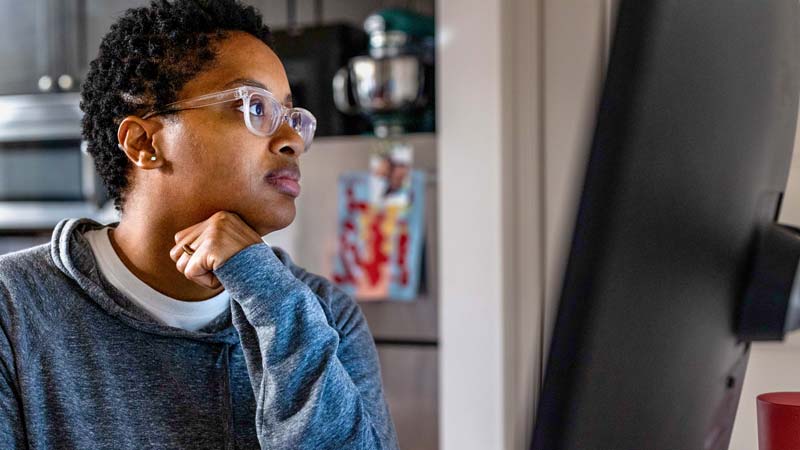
(286, 141)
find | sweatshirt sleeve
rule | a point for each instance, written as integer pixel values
(315, 372)
(11, 427)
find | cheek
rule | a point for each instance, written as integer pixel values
(236, 170)
(226, 171)
(190, 151)
(217, 158)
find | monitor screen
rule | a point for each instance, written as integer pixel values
(689, 159)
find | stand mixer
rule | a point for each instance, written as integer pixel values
(393, 85)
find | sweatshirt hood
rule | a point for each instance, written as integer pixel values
(73, 255)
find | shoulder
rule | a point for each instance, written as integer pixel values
(30, 269)
(24, 274)
(25, 259)
(31, 282)
(25, 269)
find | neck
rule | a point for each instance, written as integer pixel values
(143, 242)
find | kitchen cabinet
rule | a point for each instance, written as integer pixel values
(29, 25)
(47, 44)
(410, 382)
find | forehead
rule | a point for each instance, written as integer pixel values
(240, 59)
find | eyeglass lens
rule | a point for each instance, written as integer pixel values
(266, 115)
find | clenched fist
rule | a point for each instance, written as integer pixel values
(212, 241)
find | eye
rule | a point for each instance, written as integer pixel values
(256, 108)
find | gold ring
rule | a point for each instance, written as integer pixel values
(188, 249)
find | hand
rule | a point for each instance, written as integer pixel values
(214, 240)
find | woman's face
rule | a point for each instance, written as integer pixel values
(215, 163)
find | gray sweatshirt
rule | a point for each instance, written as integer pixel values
(292, 365)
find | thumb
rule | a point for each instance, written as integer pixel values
(208, 280)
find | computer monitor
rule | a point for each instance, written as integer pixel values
(690, 156)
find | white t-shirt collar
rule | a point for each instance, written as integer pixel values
(189, 315)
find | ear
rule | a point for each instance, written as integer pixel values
(135, 137)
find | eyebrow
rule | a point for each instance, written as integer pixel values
(252, 82)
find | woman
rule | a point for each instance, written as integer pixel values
(178, 326)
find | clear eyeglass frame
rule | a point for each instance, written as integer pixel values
(301, 120)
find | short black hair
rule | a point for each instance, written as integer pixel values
(144, 60)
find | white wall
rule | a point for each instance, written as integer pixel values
(490, 220)
(517, 88)
(471, 149)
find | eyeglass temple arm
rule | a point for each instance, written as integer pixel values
(198, 102)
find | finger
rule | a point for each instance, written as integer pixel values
(243, 225)
(192, 267)
(243, 228)
(182, 262)
(232, 222)
(178, 250)
(217, 283)
(195, 273)
(198, 269)
(181, 235)
(187, 239)
(186, 236)
(208, 280)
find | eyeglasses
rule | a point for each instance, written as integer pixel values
(264, 113)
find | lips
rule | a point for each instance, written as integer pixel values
(291, 172)
(285, 180)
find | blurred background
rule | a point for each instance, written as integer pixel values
(440, 190)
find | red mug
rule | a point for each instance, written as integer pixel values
(778, 421)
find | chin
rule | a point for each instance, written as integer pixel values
(271, 221)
